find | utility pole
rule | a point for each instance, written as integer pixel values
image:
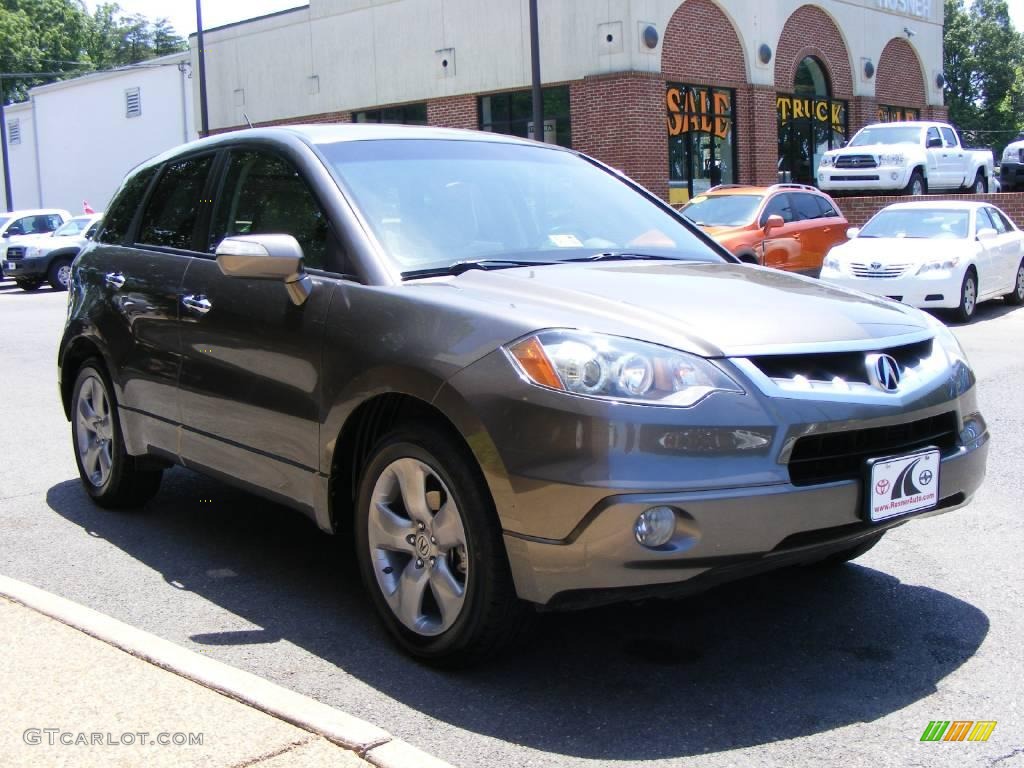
(8, 203)
(204, 116)
(538, 101)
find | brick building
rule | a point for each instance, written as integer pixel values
(679, 94)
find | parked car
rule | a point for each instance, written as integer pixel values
(1011, 167)
(785, 226)
(512, 375)
(933, 255)
(912, 157)
(15, 225)
(48, 257)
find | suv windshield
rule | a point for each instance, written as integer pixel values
(436, 204)
(723, 210)
(887, 134)
(918, 223)
(72, 226)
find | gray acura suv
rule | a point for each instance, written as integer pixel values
(513, 376)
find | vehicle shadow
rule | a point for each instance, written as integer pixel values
(786, 655)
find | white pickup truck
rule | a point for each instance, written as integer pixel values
(912, 157)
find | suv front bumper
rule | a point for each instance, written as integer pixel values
(840, 179)
(1011, 176)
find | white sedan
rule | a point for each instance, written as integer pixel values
(933, 255)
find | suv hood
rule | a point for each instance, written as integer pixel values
(876, 149)
(710, 309)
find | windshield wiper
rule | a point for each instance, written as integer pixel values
(624, 256)
(464, 266)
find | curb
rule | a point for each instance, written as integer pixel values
(373, 744)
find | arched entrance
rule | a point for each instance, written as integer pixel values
(899, 84)
(811, 122)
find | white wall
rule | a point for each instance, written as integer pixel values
(83, 144)
(367, 53)
(22, 159)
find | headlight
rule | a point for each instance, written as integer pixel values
(827, 161)
(894, 158)
(615, 368)
(1010, 154)
(936, 265)
(32, 251)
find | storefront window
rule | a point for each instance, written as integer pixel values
(701, 139)
(512, 113)
(409, 114)
(887, 114)
(811, 122)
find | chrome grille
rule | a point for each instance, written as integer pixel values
(848, 367)
(886, 270)
(14, 253)
(856, 161)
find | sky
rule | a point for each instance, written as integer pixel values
(182, 13)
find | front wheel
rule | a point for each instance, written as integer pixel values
(917, 185)
(968, 298)
(59, 275)
(430, 549)
(109, 475)
(1016, 296)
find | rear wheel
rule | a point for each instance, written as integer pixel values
(917, 185)
(980, 186)
(28, 285)
(430, 549)
(59, 274)
(968, 298)
(1016, 296)
(109, 475)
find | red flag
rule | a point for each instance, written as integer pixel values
(86, 208)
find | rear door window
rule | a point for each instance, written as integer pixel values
(118, 218)
(825, 208)
(173, 208)
(993, 216)
(1001, 222)
(265, 195)
(949, 137)
(805, 206)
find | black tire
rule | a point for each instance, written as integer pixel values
(28, 285)
(917, 185)
(59, 274)
(748, 257)
(980, 185)
(491, 616)
(968, 298)
(851, 553)
(1016, 296)
(125, 485)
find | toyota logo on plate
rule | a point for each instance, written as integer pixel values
(883, 372)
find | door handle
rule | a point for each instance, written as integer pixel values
(114, 279)
(197, 303)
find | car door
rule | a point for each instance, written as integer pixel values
(937, 159)
(136, 267)
(954, 160)
(814, 230)
(1008, 256)
(250, 380)
(781, 246)
(989, 257)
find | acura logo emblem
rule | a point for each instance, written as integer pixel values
(883, 372)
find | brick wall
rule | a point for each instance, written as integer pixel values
(811, 32)
(898, 78)
(620, 120)
(859, 209)
(454, 112)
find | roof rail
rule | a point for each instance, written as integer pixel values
(789, 185)
(727, 186)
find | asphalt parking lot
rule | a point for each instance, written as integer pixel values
(803, 667)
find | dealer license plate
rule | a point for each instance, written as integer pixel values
(900, 485)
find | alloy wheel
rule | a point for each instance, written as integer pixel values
(1020, 283)
(94, 436)
(970, 296)
(918, 187)
(418, 549)
(64, 275)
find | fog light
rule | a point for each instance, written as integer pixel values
(655, 526)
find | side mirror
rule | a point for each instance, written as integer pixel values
(266, 257)
(987, 233)
(934, 142)
(773, 222)
(852, 232)
(843, 143)
(11, 231)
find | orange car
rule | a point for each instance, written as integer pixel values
(786, 226)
